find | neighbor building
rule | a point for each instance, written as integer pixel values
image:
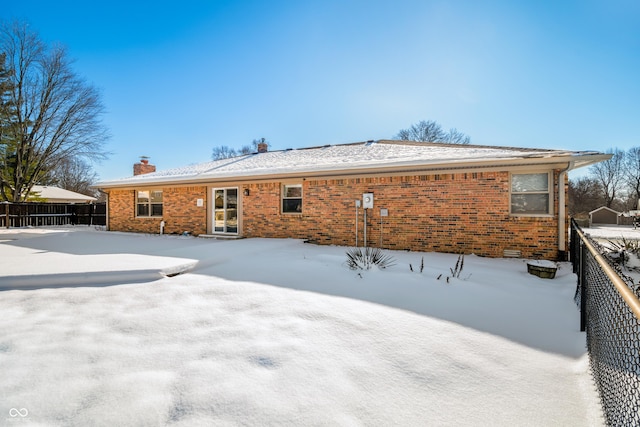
(52, 194)
(604, 215)
(490, 201)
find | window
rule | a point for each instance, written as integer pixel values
(292, 198)
(148, 203)
(530, 194)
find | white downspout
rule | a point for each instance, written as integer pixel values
(357, 206)
(106, 213)
(562, 212)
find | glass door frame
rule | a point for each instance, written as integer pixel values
(227, 207)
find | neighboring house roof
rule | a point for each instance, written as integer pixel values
(385, 156)
(60, 195)
(604, 208)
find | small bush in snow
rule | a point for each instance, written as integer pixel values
(364, 259)
(623, 251)
(455, 272)
(421, 265)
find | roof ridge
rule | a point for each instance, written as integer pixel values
(235, 159)
(452, 145)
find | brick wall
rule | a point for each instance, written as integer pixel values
(457, 213)
(180, 211)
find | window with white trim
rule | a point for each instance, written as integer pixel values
(292, 198)
(531, 193)
(148, 203)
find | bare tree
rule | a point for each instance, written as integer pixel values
(73, 175)
(57, 114)
(585, 195)
(456, 137)
(226, 152)
(631, 172)
(431, 131)
(223, 152)
(609, 176)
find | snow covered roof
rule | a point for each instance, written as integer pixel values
(60, 195)
(604, 208)
(361, 157)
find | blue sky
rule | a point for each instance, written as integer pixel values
(179, 78)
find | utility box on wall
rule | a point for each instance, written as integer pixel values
(367, 200)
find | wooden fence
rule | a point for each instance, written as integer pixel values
(46, 214)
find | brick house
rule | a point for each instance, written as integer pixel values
(490, 201)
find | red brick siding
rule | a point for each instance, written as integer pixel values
(179, 212)
(458, 213)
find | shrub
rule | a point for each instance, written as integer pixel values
(455, 272)
(364, 259)
(421, 265)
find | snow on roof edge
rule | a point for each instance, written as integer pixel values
(281, 166)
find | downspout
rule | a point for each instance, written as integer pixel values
(562, 211)
(106, 213)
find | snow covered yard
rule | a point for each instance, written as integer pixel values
(606, 232)
(278, 332)
(618, 238)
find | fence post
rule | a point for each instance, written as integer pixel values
(6, 212)
(573, 255)
(583, 287)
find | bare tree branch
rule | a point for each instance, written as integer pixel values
(57, 114)
(631, 172)
(226, 152)
(609, 176)
(431, 131)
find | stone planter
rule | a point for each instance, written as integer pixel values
(542, 269)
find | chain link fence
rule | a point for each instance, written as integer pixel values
(610, 314)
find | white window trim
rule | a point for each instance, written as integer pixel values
(149, 203)
(283, 198)
(550, 192)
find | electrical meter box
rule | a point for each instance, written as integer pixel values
(367, 200)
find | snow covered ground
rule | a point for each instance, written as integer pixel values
(94, 331)
(613, 232)
(614, 238)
